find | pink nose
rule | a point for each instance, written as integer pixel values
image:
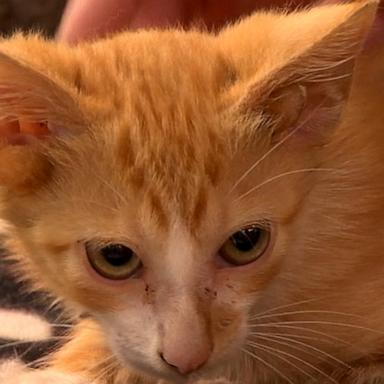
(186, 360)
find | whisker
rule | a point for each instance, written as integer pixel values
(244, 370)
(270, 366)
(276, 352)
(111, 187)
(289, 340)
(55, 303)
(320, 322)
(81, 325)
(262, 158)
(318, 370)
(58, 325)
(279, 176)
(110, 365)
(306, 301)
(316, 332)
(104, 373)
(20, 357)
(303, 312)
(37, 363)
(274, 148)
(22, 342)
(293, 335)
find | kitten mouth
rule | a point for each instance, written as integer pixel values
(175, 378)
(170, 376)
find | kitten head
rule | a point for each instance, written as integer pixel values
(174, 184)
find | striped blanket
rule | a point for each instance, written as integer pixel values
(28, 326)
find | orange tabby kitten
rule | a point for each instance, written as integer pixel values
(213, 202)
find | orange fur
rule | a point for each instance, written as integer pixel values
(150, 134)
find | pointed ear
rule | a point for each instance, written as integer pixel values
(307, 86)
(33, 109)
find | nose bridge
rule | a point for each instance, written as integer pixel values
(187, 342)
(188, 309)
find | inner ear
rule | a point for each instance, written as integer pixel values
(28, 96)
(32, 107)
(308, 93)
(285, 106)
(21, 132)
(312, 110)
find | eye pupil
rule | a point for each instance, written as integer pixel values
(246, 239)
(246, 245)
(113, 261)
(117, 255)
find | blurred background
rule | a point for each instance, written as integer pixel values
(38, 15)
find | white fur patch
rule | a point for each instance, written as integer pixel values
(25, 326)
(180, 256)
(10, 367)
(13, 372)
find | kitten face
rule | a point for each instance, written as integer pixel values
(176, 198)
(186, 299)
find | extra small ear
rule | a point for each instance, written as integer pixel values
(33, 108)
(308, 91)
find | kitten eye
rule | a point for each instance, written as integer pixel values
(245, 246)
(113, 261)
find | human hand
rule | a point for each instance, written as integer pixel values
(89, 19)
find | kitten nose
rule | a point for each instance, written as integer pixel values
(186, 343)
(186, 360)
